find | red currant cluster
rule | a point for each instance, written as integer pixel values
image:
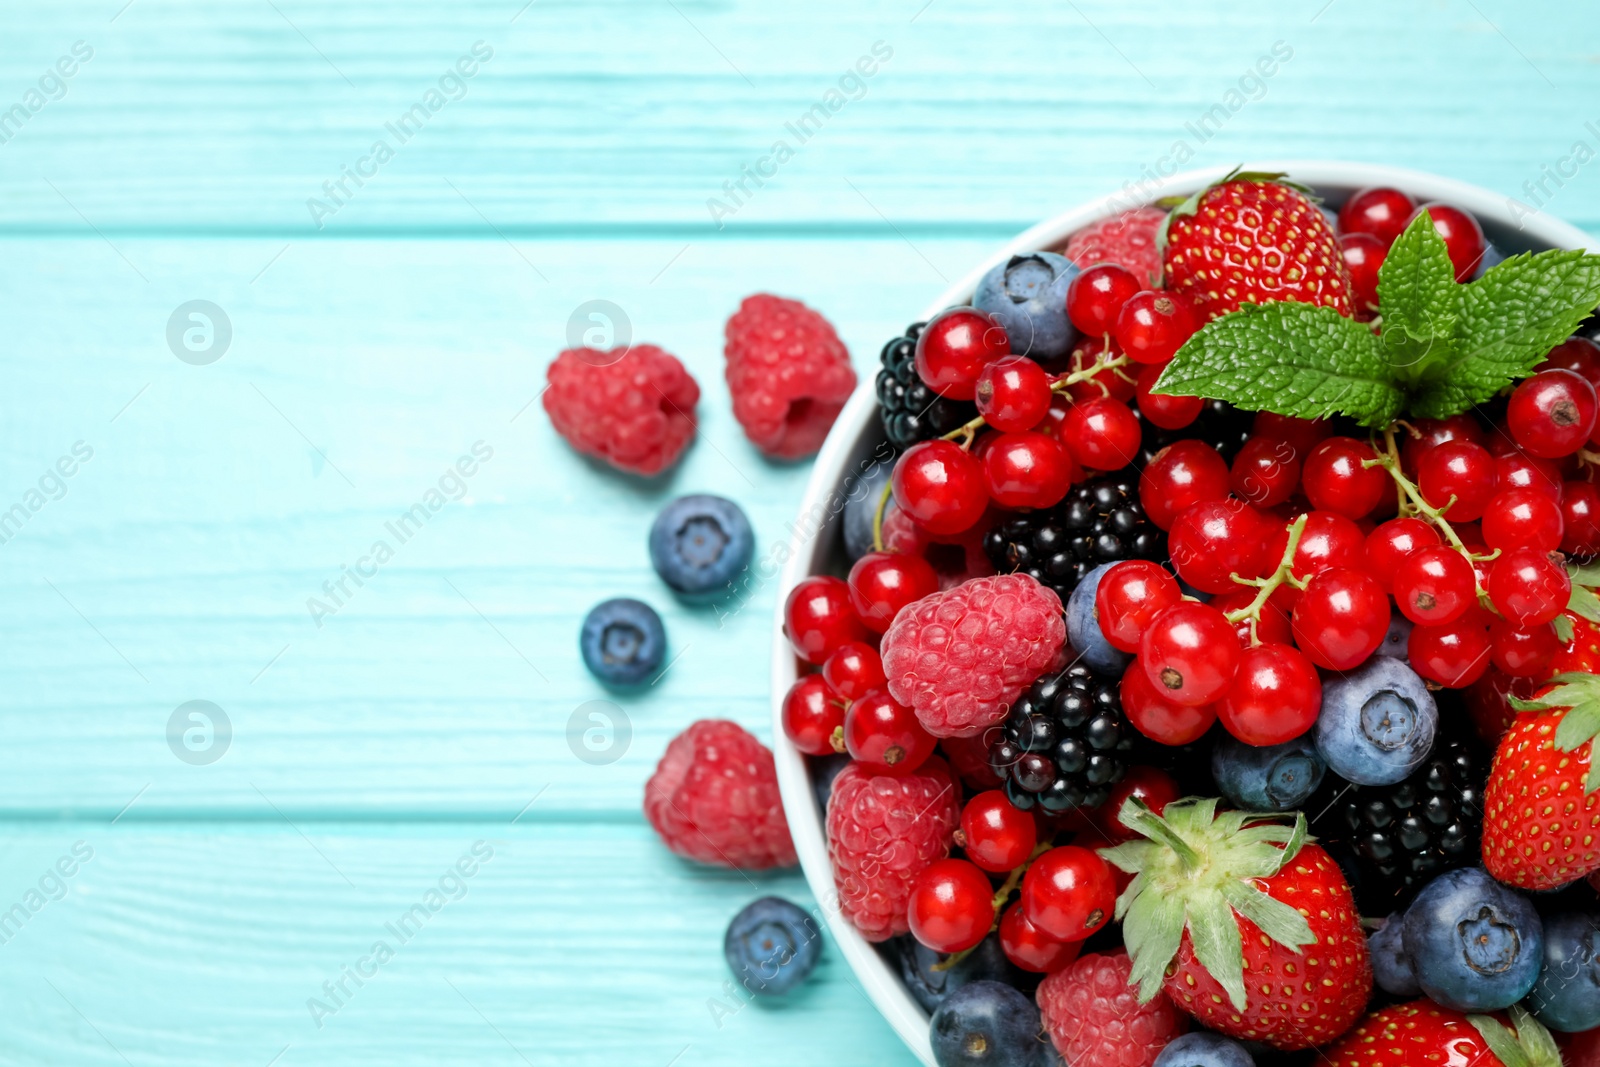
(1371, 220)
(1043, 430)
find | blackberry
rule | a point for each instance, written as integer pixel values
(912, 412)
(1395, 839)
(1221, 425)
(1065, 743)
(1100, 521)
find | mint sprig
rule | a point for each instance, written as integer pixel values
(1442, 347)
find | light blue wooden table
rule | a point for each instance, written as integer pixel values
(382, 330)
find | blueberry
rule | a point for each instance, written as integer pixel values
(1567, 995)
(1492, 257)
(771, 946)
(699, 544)
(862, 493)
(1391, 967)
(1396, 641)
(1083, 628)
(987, 1023)
(1204, 1050)
(824, 769)
(1475, 944)
(1377, 722)
(986, 963)
(1028, 294)
(1274, 778)
(622, 641)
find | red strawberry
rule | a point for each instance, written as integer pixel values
(1251, 240)
(1541, 814)
(1092, 1016)
(1246, 926)
(1424, 1033)
(1582, 653)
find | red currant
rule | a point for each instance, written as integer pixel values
(1110, 381)
(1178, 477)
(1341, 618)
(1013, 394)
(1027, 470)
(1302, 434)
(818, 618)
(1463, 237)
(854, 670)
(1552, 414)
(881, 583)
(1453, 654)
(1155, 788)
(1152, 325)
(1272, 627)
(951, 907)
(995, 834)
(1158, 409)
(1217, 539)
(1103, 434)
(1577, 354)
(1156, 716)
(1515, 469)
(955, 346)
(811, 713)
(1328, 540)
(1391, 542)
(1522, 653)
(1096, 296)
(1189, 653)
(1456, 469)
(1378, 210)
(1069, 893)
(1265, 471)
(1031, 948)
(1434, 585)
(1363, 255)
(1130, 595)
(885, 735)
(1428, 433)
(1528, 586)
(940, 487)
(1275, 696)
(1334, 478)
(1523, 518)
(1580, 518)
(1055, 419)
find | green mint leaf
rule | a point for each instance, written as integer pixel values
(1417, 301)
(1509, 320)
(1287, 357)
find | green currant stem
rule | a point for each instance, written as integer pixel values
(1013, 880)
(969, 430)
(1393, 452)
(877, 516)
(1416, 505)
(1265, 587)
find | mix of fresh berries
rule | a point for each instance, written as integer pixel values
(1282, 689)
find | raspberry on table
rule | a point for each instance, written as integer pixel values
(1128, 240)
(1093, 1014)
(789, 375)
(882, 832)
(961, 657)
(634, 410)
(714, 798)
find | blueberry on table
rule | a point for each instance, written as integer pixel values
(1567, 995)
(1476, 945)
(1204, 1050)
(772, 945)
(1377, 723)
(699, 545)
(1391, 967)
(622, 641)
(988, 1024)
(1272, 778)
(1028, 295)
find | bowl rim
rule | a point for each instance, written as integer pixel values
(882, 983)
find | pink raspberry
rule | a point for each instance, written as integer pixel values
(789, 375)
(1127, 239)
(633, 408)
(882, 832)
(714, 798)
(959, 658)
(1094, 1016)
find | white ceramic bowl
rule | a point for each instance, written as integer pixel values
(857, 432)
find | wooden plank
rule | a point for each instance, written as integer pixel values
(194, 118)
(179, 563)
(579, 945)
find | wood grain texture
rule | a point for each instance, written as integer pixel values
(371, 352)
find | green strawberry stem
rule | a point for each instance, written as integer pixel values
(1412, 503)
(1013, 880)
(967, 431)
(1530, 1045)
(1284, 572)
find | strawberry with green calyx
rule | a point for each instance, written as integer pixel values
(1422, 1032)
(1541, 811)
(1243, 922)
(1249, 239)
